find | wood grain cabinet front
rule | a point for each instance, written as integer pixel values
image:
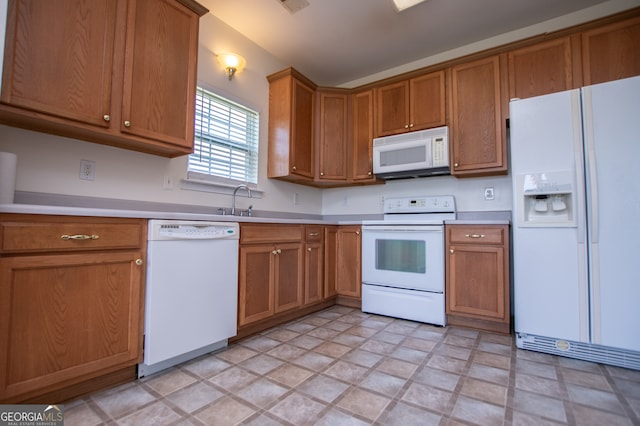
(291, 127)
(117, 72)
(409, 105)
(478, 108)
(71, 304)
(270, 271)
(349, 258)
(477, 277)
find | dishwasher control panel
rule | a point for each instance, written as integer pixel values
(191, 230)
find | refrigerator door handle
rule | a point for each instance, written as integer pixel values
(578, 150)
(592, 177)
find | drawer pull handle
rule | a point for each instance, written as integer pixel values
(79, 237)
(474, 235)
(314, 234)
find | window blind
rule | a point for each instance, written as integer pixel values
(226, 139)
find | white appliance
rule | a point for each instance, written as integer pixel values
(403, 259)
(413, 154)
(192, 291)
(576, 205)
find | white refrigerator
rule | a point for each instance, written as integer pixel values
(576, 236)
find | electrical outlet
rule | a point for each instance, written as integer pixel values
(167, 182)
(87, 170)
(489, 193)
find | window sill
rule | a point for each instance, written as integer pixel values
(193, 184)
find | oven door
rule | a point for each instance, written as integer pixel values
(404, 256)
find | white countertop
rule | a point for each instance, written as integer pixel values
(472, 218)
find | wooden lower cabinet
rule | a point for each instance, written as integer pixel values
(313, 265)
(270, 280)
(71, 309)
(281, 274)
(348, 265)
(477, 277)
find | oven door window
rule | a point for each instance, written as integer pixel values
(401, 256)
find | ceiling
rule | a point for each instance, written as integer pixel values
(334, 42)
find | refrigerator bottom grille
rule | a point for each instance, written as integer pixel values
(584, 351)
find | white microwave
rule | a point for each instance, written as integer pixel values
(414, 154)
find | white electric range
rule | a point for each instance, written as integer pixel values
(403, 259)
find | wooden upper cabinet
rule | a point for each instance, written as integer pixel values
(117, 72)
(543, 68)
(333, 136)
(478, 142)
(291, 126)
(59, 58)
(159, 89)
(414, 104)
(362, 140)
(611, 52)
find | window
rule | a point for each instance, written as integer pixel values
(226, 141)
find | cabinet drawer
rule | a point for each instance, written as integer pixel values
(460, 234)
(274, 233)
(26, 237)
(313, 234)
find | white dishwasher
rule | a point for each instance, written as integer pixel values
(192, 291)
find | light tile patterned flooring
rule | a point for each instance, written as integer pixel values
(343, 367)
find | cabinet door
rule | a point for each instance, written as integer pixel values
(313, 272)
(65, 317)
(349, 261)
(476, 281)
(256, 283)
(59, 58)
(333, 137)
(302, 152)
(330, 261)
(288, 274)
(611, 52)
(160, 72)
(392, 109)
(540, 69)
(478, 139)
(362, 141)
(426, 101)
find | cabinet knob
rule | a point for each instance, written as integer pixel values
(451, 251)
(321, 173)
(139, 262)
(294, 168)
(278, 251)
(308, 248)
(411, 125)
(455, 164)
(406, 126)
(106, 117)
(127, 123)
(357, 232)
(274, 251)
(369, 173)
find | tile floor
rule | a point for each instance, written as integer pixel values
(343, 367)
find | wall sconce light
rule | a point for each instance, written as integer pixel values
(232, 63)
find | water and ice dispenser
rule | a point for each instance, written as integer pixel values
(546, 199)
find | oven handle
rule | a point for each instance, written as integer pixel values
(403, 228)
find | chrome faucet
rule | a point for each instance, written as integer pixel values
(235, 191)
